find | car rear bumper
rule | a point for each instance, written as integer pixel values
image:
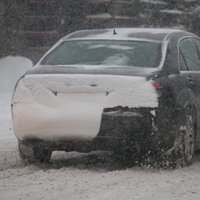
(122, 129)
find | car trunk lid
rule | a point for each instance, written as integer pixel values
(71, 105)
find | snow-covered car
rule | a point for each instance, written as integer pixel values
(126, 90)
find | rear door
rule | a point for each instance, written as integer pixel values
(190, 65)
(190, 70)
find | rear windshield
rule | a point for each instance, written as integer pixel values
(109, 53)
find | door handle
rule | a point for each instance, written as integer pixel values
(191, 80)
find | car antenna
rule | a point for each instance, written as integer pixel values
(114, 17)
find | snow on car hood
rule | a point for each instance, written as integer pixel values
(71, 106)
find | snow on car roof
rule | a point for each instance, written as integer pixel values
(155, 34)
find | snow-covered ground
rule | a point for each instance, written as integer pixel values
(74, 176)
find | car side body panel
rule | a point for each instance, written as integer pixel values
(183, 92)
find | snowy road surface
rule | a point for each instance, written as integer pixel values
(74, 176)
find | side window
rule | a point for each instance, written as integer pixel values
(190, 54)
(183, 66)
(197, 42)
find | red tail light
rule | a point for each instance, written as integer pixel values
(156, 85)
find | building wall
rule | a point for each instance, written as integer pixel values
(30, 27)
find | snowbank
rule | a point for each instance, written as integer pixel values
(11, 69)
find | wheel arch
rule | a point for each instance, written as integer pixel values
(186, 98)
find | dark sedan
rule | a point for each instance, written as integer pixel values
(125, 90)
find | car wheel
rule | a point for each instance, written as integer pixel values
(184, 143)
(33, 154)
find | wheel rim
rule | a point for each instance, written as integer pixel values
(189, 138)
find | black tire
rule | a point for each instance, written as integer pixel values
(184, 144)
(33, 154)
